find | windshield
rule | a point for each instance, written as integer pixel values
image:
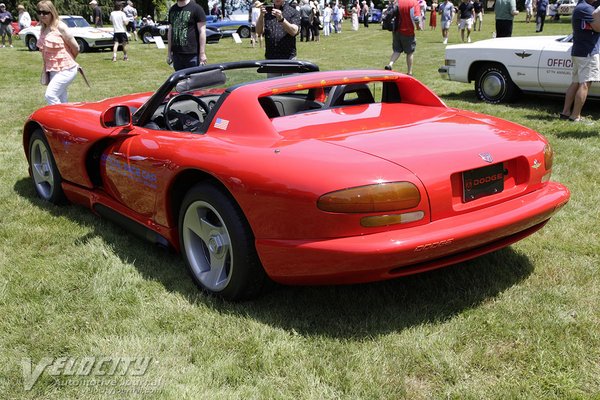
(75, 22)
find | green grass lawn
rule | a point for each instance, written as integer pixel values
(519, 323)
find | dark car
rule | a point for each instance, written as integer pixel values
(374, 15)
(161, 28)
(229, 26)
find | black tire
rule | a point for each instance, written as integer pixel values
(218, 245)
(31, 43)
(46, 178)
(244, 32)
(493, 84)
(147, 37)
(83, 46)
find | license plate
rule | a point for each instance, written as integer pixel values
(485, 181)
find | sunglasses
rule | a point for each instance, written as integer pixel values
(43, 12)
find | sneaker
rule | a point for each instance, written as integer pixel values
(2, 46)
(114, 58)
(387, 68)
(445, 41)
(468, 40)
(11, 46)
(125, 58)
(563, 116)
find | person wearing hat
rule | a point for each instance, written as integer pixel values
(24, 17)
(131, 14)
(253, 18)
(96, 14)
(5, 28)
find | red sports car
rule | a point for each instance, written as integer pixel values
(308, 178)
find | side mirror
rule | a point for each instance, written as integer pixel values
(117, 116)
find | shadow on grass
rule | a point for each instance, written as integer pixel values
(348, 312)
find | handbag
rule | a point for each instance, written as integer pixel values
(45, 78)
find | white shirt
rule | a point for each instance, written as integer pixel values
(118, 19)
(24, 20)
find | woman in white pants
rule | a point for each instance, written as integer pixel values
(59, 49)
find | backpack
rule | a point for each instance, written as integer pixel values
(389, 18)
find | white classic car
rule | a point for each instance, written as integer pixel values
(503, 67)
(566, 7)
(87, 37)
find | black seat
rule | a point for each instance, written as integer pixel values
(269, 107)
(338, 95)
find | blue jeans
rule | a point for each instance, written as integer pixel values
(182, 61)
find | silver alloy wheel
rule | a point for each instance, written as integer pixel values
(31, 43)
(207, 246)
(41, 167)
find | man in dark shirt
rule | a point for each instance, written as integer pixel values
(280, 27)
(465, 15)
(585, 56)
(96, 14)
(187, 35)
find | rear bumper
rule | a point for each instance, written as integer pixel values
(408, 251)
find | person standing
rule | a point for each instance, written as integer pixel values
(5, 28)
(542, 8)
(305, 20)
(505, 13)
(96, 14)
(119, 21)
(528, 10)
(187, 35)
(365, 14)
(316, 22)
(403, 35)
(326, 20)
(253, 18)
(355, 13)
(131, 14)
(24, 17)
(446, 18)
(478, 10)
(465, 17)
(59, 50)
(280, 27)
(585, 57)
(433, 16)
(335, 16)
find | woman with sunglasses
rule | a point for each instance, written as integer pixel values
(59, 50)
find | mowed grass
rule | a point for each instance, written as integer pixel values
(522, 322)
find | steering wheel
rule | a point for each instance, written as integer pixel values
(188, 121)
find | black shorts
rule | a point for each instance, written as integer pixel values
(121, 37)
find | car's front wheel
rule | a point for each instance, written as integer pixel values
(494, 85)
(83, 46)
(31, 42)
(218, 246)
(244, 32)
(147, 37)
(46, 178)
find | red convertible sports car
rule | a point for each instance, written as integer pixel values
(307, 178)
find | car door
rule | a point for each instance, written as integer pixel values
(555, 66)
(132, 169)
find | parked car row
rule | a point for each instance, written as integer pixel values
(161, 28)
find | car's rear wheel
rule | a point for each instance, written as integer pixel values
(147, 37)
(218, 245)
(493, 84)
(83, 46)
(31, 42)
(244, 32)
(46, 178)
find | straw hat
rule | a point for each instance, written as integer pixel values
(257, 4)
